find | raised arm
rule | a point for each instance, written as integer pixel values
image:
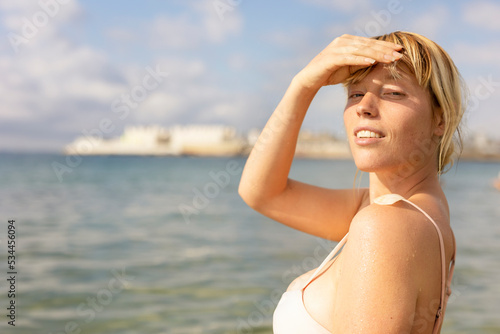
(265, 185)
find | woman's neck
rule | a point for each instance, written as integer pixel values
(425, 179)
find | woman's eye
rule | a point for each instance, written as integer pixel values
(355, 95)
(398, 94)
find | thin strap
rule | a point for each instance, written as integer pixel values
(443, 264)
(328, 258)
(439, 320)
(445, 284)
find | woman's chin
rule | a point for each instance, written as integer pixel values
(368, 164)
(367, 169)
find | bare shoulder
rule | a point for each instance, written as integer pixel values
(402, 218)
(387, 222)
(384, 267)
(398, 234)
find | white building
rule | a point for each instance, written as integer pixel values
(154, 140)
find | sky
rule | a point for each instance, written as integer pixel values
(70, 68)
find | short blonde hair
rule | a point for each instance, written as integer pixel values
(435, 71)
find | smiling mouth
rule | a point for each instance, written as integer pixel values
(368, 134)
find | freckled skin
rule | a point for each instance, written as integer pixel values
(401, 109)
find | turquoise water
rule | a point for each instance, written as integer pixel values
(165, 245)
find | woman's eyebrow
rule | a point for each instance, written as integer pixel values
(388, 78)
(391, 78)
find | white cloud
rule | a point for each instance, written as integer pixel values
(217, 29)
(52, 87)
(63, 88)
(466, 53)
(25, 7)
(121, 35)
(174, 32)
(32, 22)
(160, 107)
(238, 61)
(193, 94)
(432, 21)
(242, 110)
(293, 39)
(196, 26)
(482, 14)
(184, 70)
(335, 30)
(483, 116)
(45, 76)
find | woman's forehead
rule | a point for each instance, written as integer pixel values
(387, 73)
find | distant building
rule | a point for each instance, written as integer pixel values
(213, 140)
(321, 145)
(479, 147)
(216, 140)
(312, 145)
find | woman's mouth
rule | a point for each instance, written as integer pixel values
(367, 136)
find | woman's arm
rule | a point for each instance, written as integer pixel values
(265, 185)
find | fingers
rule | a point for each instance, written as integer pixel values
(371, 40)
(365, 51)
(353, 60)
(333, 64)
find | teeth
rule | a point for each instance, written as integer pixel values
(367, 134)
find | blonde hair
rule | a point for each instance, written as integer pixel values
(436, 72)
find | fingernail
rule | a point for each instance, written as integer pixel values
(389, 57)
(397, 54)
(369, 60)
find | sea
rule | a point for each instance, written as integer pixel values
(122, 245)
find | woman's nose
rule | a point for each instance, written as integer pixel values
(367, 106)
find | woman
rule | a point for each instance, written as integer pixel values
(404, 106)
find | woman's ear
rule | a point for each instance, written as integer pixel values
(439, 122)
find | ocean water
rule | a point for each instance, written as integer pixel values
(165, 245)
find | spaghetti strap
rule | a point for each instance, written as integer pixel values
(439, 320)
(334, 252)
(445, 283)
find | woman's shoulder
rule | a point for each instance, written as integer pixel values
(398, 226)
(382, 212)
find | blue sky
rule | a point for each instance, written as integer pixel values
(67, 65)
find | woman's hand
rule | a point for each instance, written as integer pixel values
(345, 55)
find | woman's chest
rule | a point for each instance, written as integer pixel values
(319, 295)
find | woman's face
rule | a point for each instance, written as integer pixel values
(389, 123)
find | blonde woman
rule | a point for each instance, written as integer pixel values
(403, 110)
